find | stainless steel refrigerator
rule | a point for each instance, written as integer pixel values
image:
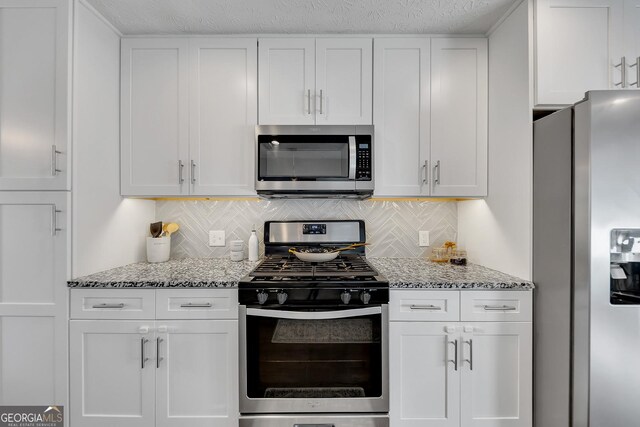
(586, 263)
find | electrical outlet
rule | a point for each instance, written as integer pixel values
(424, 238)
(216, 238)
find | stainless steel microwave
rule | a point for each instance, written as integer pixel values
(314, 161)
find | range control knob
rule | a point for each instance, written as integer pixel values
(365, 297)
(282, 297)
(345, 296)
(262, 297)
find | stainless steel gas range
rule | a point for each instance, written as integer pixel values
(313, 336)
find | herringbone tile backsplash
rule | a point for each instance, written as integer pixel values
(392, 227)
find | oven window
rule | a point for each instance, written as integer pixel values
(287, 158)
(334, 358)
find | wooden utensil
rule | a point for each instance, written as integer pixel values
(170, 228)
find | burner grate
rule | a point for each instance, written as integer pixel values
(277, 267)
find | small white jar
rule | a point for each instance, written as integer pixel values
(237, 250)
(158, 249)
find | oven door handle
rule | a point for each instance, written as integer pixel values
(313, 315)
(352, 158)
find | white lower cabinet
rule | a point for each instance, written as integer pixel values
(197, 375)
(425, 386)
(112, 374)
(165, 373)
(468, 374)
(34, 237)
(496, 378)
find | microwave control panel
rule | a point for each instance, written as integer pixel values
(363, 161)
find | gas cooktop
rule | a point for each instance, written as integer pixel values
(282, 278)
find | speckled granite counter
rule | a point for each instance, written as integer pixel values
(420, 273)
(224, 273)
(178, 273)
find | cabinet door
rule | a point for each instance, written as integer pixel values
(112, 373)
(632, 40)
(154, 117)
(34, 95)
(401, 116)
(459, 120)
(344, 81)
(424, 374)
(286, 81)
(497, 375)
(197, 380)
(223, 115)
(578, 44)
(34, 234)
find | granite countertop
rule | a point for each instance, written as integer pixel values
(420, 273)
(176, 273)
(223, 273)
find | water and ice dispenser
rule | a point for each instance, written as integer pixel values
(625, 266)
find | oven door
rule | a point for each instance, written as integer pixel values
(306, 163)
(313, 360)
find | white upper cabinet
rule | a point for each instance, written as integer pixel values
(401, 116)
(222, 115)
(154, 117)
(459, 117)
(430, 117)
(34, 95)
(343, 81)
(579, 44)
(188, 116)
(632, 42)
(286, 81)
(307, 81)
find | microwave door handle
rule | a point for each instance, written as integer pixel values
(313, 315)
(352, 158)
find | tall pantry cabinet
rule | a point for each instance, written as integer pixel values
(35, 39)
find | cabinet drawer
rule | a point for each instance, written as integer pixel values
(197, 304)
(113, 304)
(492, 306)
(419, 305)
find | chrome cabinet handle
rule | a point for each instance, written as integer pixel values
(437, 170)
(499, 308)
(623, 72)
(54, 220)
(54, 160)
(314, 425)
(143, 358)
(193, 172)
(455, 357)
(180, 172)
(470, 359)
(321, 101)
(425, 172)
(637, 65)
(105, 305)
(425, 307)
(308, 101)
(194, 305)
(158, 358)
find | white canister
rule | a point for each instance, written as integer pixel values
(237, 250)
(158, 249)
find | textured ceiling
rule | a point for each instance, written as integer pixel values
(301, 16)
